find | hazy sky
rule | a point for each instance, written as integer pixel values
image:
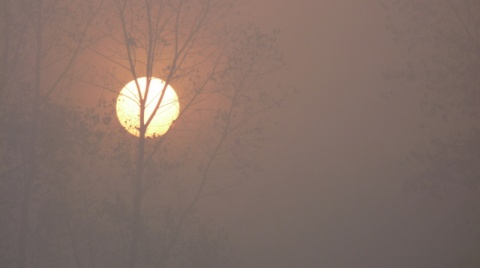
(338, 186)
(331, 193)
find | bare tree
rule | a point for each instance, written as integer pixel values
(218, 65)
(58, 164)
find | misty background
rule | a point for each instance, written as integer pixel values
(341, 186)
(372, 160)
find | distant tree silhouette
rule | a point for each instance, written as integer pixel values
(442, 39)
(29, 46)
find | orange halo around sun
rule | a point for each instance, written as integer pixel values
(128, 107)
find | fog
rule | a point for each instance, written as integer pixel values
(367, 162)
(336, 182)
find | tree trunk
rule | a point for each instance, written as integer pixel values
(138, 193)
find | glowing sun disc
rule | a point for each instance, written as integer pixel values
(128, 107)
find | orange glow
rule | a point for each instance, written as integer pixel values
(128, 107)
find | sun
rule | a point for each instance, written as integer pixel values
(128, 107)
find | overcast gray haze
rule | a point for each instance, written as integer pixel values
(371, 160)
